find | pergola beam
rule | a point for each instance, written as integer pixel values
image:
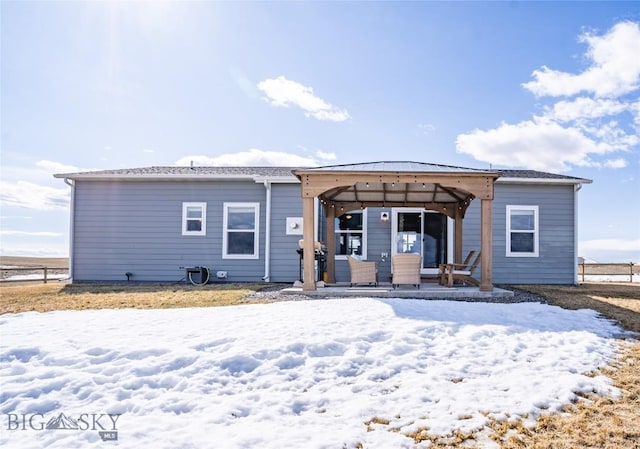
(316, 183)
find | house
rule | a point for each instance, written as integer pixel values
(246, 223)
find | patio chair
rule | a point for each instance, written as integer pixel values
(363, 272)
(461, 272)
(406, 269)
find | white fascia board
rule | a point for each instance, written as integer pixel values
(505, 180)
(154, 177)
(277, 179)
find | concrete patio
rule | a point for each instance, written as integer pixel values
(385, 290)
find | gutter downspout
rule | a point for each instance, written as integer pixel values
(72, 203)
(267, 233)
(576, 189)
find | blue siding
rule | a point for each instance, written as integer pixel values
(285, 262)
(555, 263)
(136, 227)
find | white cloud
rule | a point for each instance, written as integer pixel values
(252, 158)
(31, 233)
(614, 69)
(615, 163)
(535, 145)
(34, 187)
(426, 128)
(40, 172)
(52, 167)
(611, 244)
(576, 132)
(635, 111)
(283, 92)
(326, 156)
(585, 108)
(33, 196)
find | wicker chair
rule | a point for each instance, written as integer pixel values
(363, 272)
(406, 269)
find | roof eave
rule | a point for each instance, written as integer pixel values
(493, 174)
(170, 177)
(517, 180)
(277, 179)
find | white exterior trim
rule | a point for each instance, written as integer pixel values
(535, 232)
(365, 218)
(255, 231)
(394, 234)
(178, 177)
(507, 180)
(203, 219)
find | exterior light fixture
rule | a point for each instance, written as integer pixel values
(384, 217)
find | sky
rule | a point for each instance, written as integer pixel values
(550, 86)
(297, 374)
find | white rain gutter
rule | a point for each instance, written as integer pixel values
(267, 233)
(511, 180)
(72, 203)
(576, 189)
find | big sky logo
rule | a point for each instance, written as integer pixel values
(103, 423)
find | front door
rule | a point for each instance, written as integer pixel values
(423, 232)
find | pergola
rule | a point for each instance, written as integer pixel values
(443, 188)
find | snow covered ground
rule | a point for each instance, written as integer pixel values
(36, 277)
(609, 278)
(300, 374)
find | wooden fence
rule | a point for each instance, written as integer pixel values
(623, 270)
(46, 271)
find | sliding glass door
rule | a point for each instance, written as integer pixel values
(422, 232)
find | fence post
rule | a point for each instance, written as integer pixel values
(631, 272)
(45, 274)
(582, 271)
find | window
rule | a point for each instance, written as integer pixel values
(240, 230)
(522, 231)
(351, 233)
(194, 218)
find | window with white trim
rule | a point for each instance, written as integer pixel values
(522, 231)
(351, 234)
(240, 226)
(194, 218)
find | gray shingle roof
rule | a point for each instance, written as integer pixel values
(534, 174)
(220, 172)
(186, 172)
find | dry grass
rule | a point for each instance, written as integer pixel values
(50, 262)
(60, 296)
(618, 301)
(597, 422)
